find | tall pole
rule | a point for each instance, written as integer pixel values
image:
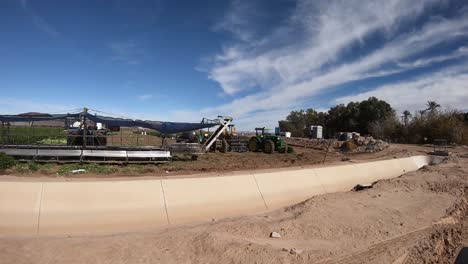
(33, 133)
(138, 133)
(8, 132)
(85, 129)
(3, 133)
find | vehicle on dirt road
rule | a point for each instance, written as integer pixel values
(266, 142)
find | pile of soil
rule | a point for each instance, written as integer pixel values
(369, 144)
(357, 144)
(364, 145)
(318, 144)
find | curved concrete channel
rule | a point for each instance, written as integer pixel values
(85, 207)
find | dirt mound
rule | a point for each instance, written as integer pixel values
(364, 145)
(356, 144)
(311, 143)
(446, 239)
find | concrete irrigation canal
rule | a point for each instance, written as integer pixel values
(85, 207)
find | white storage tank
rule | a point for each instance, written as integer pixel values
(287, 134)
(316, 131)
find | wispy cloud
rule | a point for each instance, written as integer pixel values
(129, 51)
(39, 21)
(15, 106)
(270, 74)
(238, 21)
(145, 97)
(448, 87)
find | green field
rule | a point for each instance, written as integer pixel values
(33, 135)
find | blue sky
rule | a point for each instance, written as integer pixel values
(254, 60)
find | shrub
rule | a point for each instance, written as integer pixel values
(290, 149)
(33, 166)
(349, 145)
(6, 161)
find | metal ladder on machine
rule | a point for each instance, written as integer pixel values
(224, 124)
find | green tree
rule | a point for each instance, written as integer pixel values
(372, 110)
(297, 120)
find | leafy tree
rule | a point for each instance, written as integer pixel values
(378, 118)
(372, 110)
(297, 120)
(290, 127)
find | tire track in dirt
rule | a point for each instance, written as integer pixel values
(361, 256)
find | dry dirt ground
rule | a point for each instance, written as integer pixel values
(420, 217)
(226, 162)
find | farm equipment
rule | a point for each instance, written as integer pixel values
(203, 141)
(266, 142)
(191, 137)
(219, 134)
(224, 139)
(94, 137)
(84, 140)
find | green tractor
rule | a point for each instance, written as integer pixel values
(266, 142)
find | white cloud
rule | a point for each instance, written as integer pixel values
(449, 88)
(270, 74)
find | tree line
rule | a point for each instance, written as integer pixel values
(377, 118)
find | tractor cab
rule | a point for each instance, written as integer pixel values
(266, 142)
(260, 131)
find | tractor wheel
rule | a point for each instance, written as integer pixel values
(283, 149)
(269, 146)
(253, 144)
(214, 146)
(224, 146)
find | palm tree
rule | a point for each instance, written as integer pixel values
(432, 106)
(406, 116)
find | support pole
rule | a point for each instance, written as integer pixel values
(8, 133)
(3, 133)
(33, 133)
(85, 129)
(137, 137)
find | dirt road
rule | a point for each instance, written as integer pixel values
(420, 217)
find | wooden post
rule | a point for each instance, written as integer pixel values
(328, 147)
